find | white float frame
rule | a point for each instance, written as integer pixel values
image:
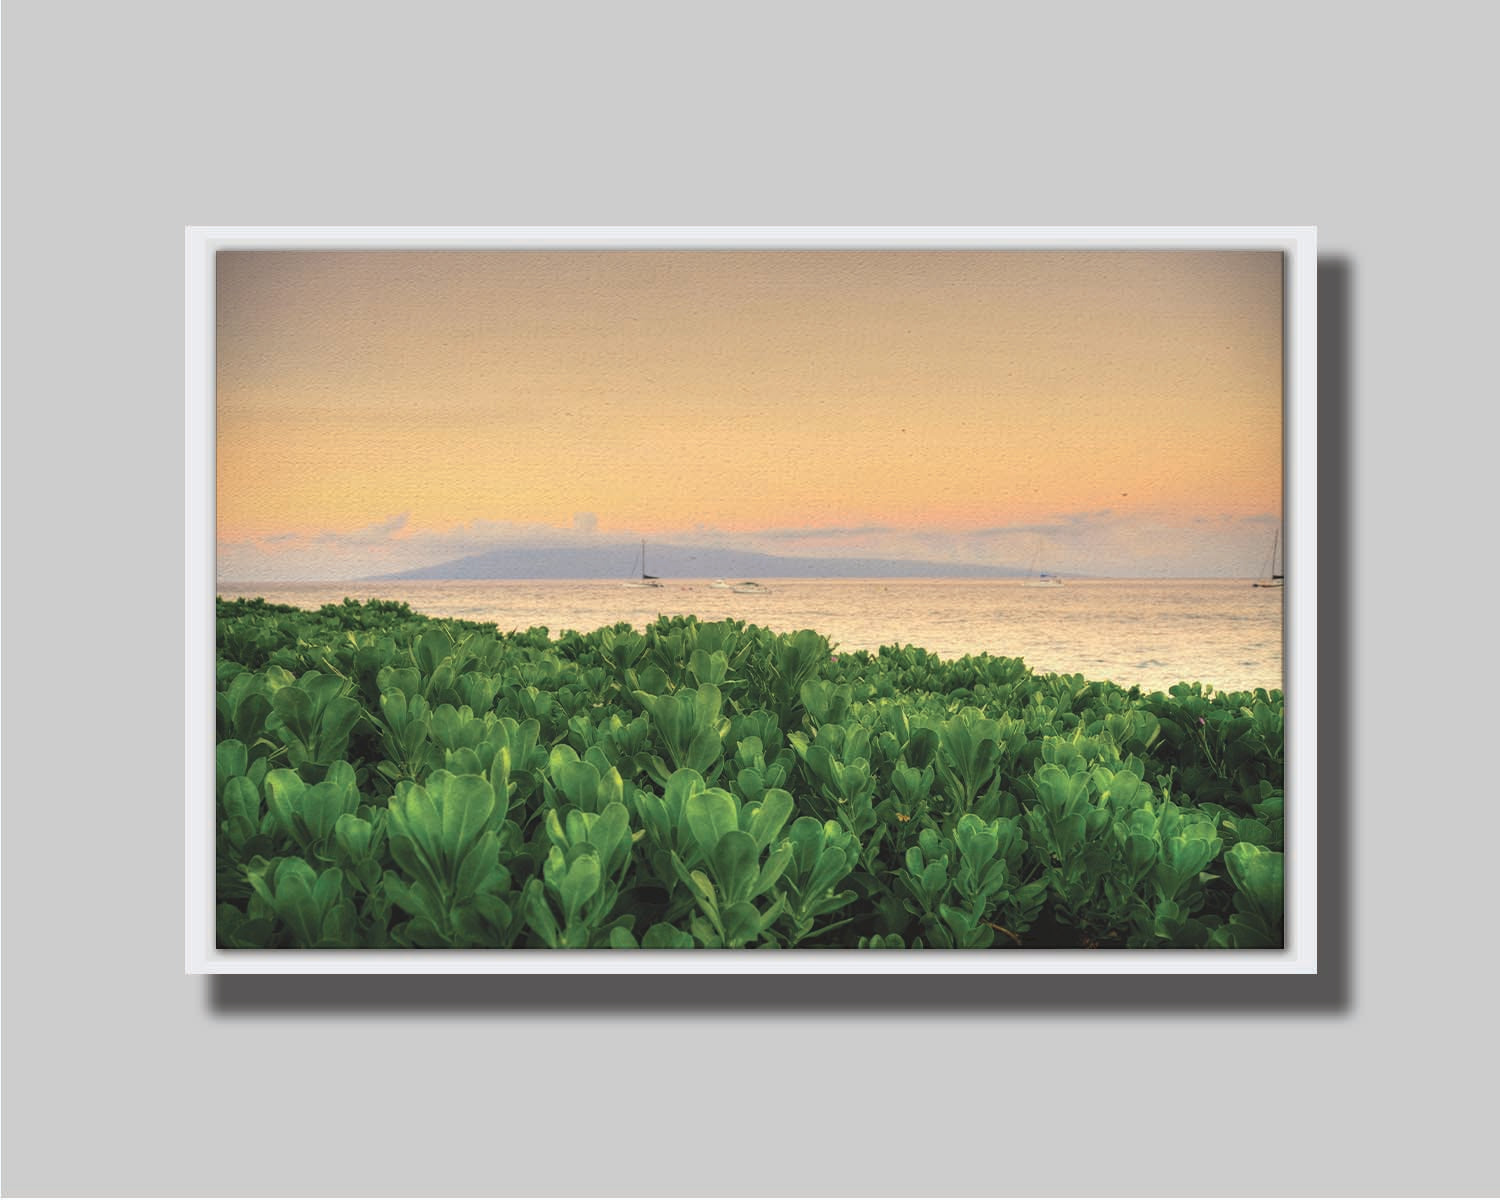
(1300, 511)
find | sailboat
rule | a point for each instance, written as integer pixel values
(1040, 579)
(645, 581)
(1275, 580)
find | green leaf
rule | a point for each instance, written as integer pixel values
(743, 924)
(416, 835)
(353, 835)
(682, 786)
(611, 789)
(539, 914)
(405, 681)
(1070, 833)
(1061, 793)
(1140, 853)
(1188, 856)
(414, 862)
(1257, 833)
(415, 814)
(707, 704)
(1260, 876)
(977, 840)
(477, 867)
(701, 887)
(560, 757)
(666, 937)
(321, 806)
(769, 816)
(431, 649)
(704, 750)
(807, 837)
(467, 801)
(710, 815)
(772, 869)
(1126, 792)
(295, 709)
(578, 884)
(329, 889)
(339, 717)
(836, 862)
(230, 760)
(284, 790)
(295, 905)
(735, 862)
(709, 668)
(242, 801)
(579, 782)
(610, 835)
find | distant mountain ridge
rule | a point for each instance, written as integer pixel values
(613, 561)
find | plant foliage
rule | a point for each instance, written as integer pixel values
(384, 779)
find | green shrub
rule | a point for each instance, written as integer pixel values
(387, 780)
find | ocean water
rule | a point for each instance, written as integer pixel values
(1152, 632)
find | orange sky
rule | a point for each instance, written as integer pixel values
(744, 390)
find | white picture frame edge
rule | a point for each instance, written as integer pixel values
(1300, 506)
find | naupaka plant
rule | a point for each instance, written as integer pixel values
(696, 785)
(742, 861)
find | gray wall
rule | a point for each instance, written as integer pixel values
(123, 123)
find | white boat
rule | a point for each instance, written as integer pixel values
(645, 581)
(1272, 579)
(746, 587)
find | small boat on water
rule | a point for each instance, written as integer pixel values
(645, 581)
(746, 587)
(1041, 579)
(1272, 579)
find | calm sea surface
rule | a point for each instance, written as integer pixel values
(1154, 632)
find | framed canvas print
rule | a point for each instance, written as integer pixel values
(751, 600)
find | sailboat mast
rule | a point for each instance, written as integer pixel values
(1272, 578)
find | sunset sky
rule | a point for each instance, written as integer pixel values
(1119, 410)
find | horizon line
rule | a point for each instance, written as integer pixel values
(682, 579)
